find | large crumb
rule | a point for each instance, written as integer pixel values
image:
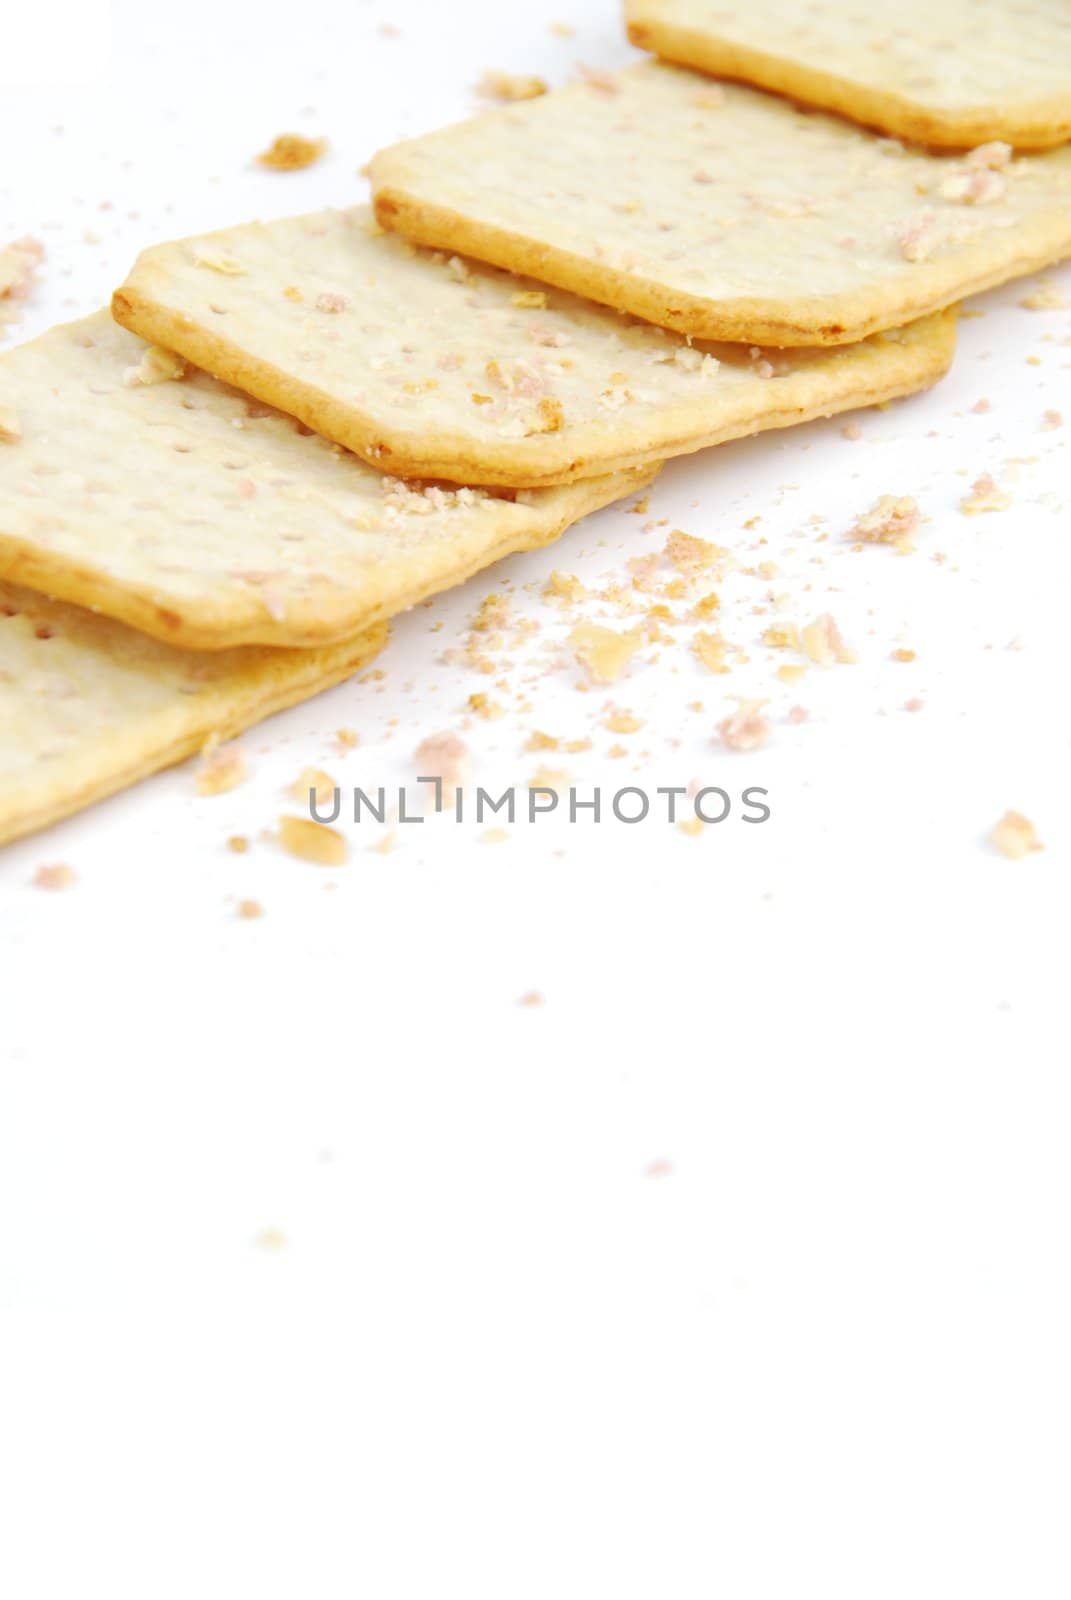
(986, 495)
(746, 728)
(312, 841)
(604, 653)
(289, 152)
(892, 519)
(824, 644)
(1015, 836)
(710, 648)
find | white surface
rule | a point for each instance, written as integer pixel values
(825, 1352)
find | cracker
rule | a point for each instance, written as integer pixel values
(438, 367)
(723, 212)
(89, 706)
(945, 72)
(207, 520)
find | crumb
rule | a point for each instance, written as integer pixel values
(995, 156)
(692, 826)
(348, 738)
(914, 704)
(791, 671)
(851, 430)
(55, 876)
(541, 741)
(603, 652)
(597, 78)
(980, 407)
(892, 519)
(312, 841)
(824, 644)
(1045, 298)
(481, 705)
(289, 152)
(19, 262)
(249, 910)
(222, 768)
(710, 648)
(443, 756)
(532, 998)
(985, 495)
(622, 722)
(903, 655)
(156, 366)
(689, 554)
(317, 782)
(218, 261)
(782, 636)
(746, 728)
(918, 237)
(509, 86)
(1014, 836)
(271, 1239)
(494, 836)
(1050, 420)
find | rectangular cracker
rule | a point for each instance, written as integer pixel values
(953, 73)
(446, 368)
(208, 520)
(89, 706)
(724, 212)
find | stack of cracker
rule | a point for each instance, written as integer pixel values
(548, 301)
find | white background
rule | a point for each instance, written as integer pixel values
(739, 1266)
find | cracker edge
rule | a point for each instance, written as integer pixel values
(224, 712)
(332, 617)
(594, 451)
(744, 320)
(1039, 125)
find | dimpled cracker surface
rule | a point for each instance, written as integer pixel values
(208, 520)
(945, 72)
(433, 366)
(88, 706)
(724, 212)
